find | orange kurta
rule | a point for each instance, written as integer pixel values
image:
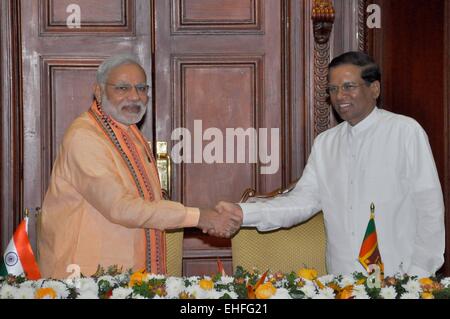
(92, 212)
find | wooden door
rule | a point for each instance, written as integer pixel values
(217, 66)
(58, 66)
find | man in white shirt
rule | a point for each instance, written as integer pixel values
(373, 156)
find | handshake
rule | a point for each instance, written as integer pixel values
(222, 221)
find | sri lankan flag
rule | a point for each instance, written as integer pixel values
(369, 253)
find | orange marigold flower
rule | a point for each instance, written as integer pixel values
(428, 285)
(137, 278)
(427, 295)
(206, 284)
(42, 293)
(425, 281)
(345, 293)
(306, 273)
(265, 291)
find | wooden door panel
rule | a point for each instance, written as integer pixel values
(211, 16)
(100, 16)
(218, 93)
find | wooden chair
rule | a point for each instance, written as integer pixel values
(174, 242)
(283, 250)
(174, 245)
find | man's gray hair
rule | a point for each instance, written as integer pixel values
(113, 62)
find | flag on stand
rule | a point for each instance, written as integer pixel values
(19, 258)
(220, 267)
(369, 253)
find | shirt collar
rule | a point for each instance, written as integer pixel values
(364, 124)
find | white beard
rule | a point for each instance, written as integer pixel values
(122, 116)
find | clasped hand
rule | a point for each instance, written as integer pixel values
(222, 221)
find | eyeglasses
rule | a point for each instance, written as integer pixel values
(346, 88)
(125, 88)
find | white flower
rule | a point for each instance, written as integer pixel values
(154, 276)
(200, 293)
(174, 286)
(326, 279)
(346, 280)
(38, 283)
(193, 280)
(413, 286)
(410, 295)
(446, 282)
(11, 292)
(281, 283)
(327, 293)
(87, 294)
(388, 292)
(122, 279)
(321, 296)
(225, 280)
(60, 288)
(28, 284)
(309, 290)
(87, 288)
(7, 292)
(359, 292)
(281, 293)
(24, 293)
(121, 293)
(138, 296)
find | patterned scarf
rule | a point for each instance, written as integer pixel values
(155, 239)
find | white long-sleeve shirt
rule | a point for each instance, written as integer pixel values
(385, 159)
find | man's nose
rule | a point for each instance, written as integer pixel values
(133, 95)
(340, 93)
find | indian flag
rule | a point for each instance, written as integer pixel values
(369, 253)
(19, 258)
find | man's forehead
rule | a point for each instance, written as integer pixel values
(346, 71)
(127, 70)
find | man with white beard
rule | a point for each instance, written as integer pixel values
(104, 203)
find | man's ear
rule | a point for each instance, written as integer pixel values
(98, 92)
(375, 88)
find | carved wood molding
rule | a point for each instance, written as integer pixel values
(321, 106)
(362, 27)
(323, 19)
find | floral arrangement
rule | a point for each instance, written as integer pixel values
(303, 284)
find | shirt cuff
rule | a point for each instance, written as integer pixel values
(251, 216)
(192, 217)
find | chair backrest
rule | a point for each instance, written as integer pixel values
(283, 250)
